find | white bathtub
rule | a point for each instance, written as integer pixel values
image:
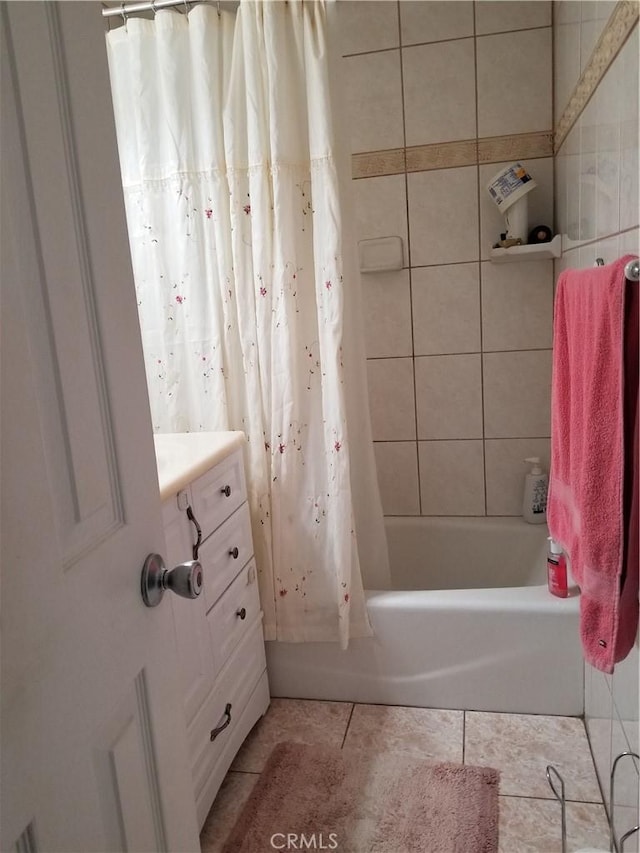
(473, 627)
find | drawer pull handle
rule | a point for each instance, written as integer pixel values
(194, 521)
(234, 553)
(227, 713)
(226, 491)
(242, 613)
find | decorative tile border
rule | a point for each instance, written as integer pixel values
(443, 155)
(373, 164)
(521, 146)
(623, 19)
(448, 155)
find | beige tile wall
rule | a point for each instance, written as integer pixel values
(458, 349)
(597, 213)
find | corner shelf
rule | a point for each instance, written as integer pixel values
(530, 252)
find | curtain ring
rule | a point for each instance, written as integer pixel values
(218, 7)
(186, 7)
(124, 15)
(153, 6)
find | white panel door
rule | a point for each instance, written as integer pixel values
(94, 748)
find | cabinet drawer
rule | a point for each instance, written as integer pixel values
(219, 492)
(217, 554)
(195, 661)
(233, 614)
(233, 687)
(253, 710)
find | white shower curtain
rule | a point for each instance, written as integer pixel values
(226, 137)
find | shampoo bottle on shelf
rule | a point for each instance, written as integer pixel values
(557, 570)
(534, 501)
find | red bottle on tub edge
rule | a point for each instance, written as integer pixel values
(557, 570)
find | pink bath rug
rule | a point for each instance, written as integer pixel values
(320, 798)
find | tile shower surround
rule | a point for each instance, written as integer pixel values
(458, 349)
(596, 59)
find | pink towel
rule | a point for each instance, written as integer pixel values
(585, 510)
(630, 578)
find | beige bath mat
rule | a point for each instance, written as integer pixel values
(318, 798)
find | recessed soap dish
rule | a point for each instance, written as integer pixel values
(381, 254)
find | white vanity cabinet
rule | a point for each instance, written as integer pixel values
(219, 634)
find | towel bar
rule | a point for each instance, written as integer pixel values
(616, 844)
(560, 797)
(612, 797)
(632, 270)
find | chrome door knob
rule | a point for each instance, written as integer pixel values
(185, 580)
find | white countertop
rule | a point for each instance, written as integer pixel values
(181, 457)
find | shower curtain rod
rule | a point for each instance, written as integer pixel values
(126, 9)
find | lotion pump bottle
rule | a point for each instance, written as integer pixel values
(557, 570)
(534, 501)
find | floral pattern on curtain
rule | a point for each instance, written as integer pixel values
(226, 142)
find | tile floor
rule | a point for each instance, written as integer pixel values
(519, 745)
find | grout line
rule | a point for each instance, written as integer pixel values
(484, 455)
(488, 260)
(369, 52)
(510, 32)
(406, 199)
(482, 397)
(551, 799)
(593, 761)
(464, 713)
(443, 41)
(450, 515)
(500, 438)
(596, 240)
(450, 263)
(528, 349)
(353, 707)
(419, 484)
(246, 772)
(447, 354)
